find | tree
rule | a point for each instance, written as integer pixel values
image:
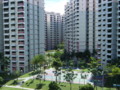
(94, 66)
(4, 62)
(70, 76)
(57, 54)
(86, 87)
(1, 80)
(60, 46)
(115, 74)
(57, 64)
(40, 62)
(54, 86)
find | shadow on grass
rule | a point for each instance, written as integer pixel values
(34, 73)
(28, 84)
(63, 85)
(39, 86)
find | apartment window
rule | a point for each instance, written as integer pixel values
(109, 31)
(6, 4)
(99, 1)
(109, 25)
(7, 52)
(7, 42)
(108, 56)
(109, 41)
(110, 15)
(109, 46)
(109, 9)
(7, 47)
(109, 20)
(12, 3)
(109, 36)
(109, 4)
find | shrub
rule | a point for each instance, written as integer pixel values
(54, 86)
(1, 80)
(15, 82)
(39, 86)
(87, 87)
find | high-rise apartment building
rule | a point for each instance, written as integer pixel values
(23, 31)
(80, 25)
(108, 27)
(53, 22)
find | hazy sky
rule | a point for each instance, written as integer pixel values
(55, 5)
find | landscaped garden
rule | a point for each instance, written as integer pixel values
(65, 73)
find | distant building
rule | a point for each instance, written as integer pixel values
(80, 34)
(54, 31)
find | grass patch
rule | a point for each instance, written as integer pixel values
(8, 88)
(44, 86)
(29, 74)
(12, 82)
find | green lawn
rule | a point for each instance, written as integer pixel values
(29, 74)
(64, 86)
(6, 88)
(25, 75)
(11, 82)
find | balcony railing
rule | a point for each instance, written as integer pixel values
(20, 31)
(20, 15)
(13, 48)
(21, 43)
(14, 65)
(21, 53)
(20, 26)
(13, 53)
(21, 65)
(20, 37)
(20, 20)
(20, 9)
(20, 4)
(21, 48)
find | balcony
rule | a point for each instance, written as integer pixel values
(20, 42)
(14, 65)
(21, 59)
(13, 59)
(13, 53)
(20, 4)
(21, 48)
(13, 48)
(20, 20)
(21, 15)
(20, 10)
(21, 65)
(20, 37)
(21, 26)
(20, 31)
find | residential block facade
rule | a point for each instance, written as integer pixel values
(23, 31)
(108, 19)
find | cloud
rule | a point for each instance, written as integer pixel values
(55, 5)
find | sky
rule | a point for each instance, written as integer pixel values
(55, 6)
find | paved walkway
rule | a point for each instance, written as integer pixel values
(17, 87)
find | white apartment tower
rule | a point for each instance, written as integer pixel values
(23, 31)
(80, 25)
(108, 27)
(53, 22)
